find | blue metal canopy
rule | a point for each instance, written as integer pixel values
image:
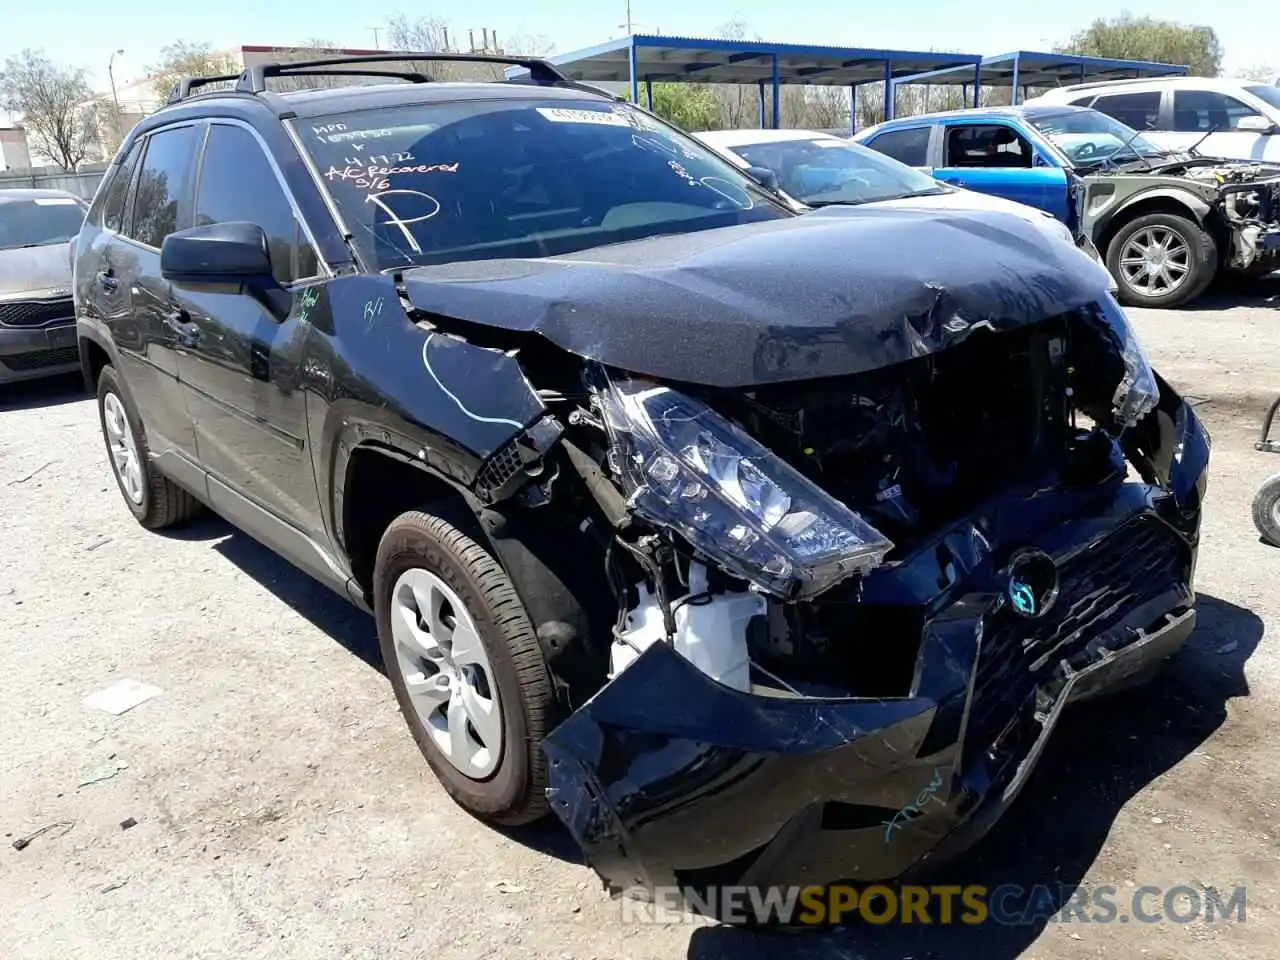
(1025, 68)
(650, 59)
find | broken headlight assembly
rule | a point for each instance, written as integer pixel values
(685, 467)
(1136, 394)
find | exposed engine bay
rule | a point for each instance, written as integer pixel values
(1241, 203)
(741, 524)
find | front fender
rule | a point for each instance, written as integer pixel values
(374, 376)
(1103, 204)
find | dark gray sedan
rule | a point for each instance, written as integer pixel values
(37, 319)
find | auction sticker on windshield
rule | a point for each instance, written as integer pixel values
(566, 115)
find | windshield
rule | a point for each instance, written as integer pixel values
(39, 221)
(1088, 136)
(471, 180)
(826, 170)
(1269, 95)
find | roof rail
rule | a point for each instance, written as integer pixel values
(253, 80)
(185, 85)
(1089, 84)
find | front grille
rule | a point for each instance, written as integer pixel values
(1097, 588)
(35, 313)
(41, 358)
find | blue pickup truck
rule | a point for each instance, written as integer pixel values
(1165, 223)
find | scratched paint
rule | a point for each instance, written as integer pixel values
(915, 808)
(309, 298)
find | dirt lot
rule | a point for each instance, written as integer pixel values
(283, 810)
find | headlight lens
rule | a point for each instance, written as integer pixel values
(685, 467)
(1137, 393)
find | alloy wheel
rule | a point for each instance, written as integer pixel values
(124, 450)
(446, 672)
(1155, 261)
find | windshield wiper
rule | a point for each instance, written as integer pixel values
(1194, 148)
(1128, 145)
(930, 192)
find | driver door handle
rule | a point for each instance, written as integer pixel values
(179, 321)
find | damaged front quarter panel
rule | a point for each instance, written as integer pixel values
(653, 801)
(667, 778)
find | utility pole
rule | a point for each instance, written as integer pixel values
(115, 99)
(375, 37)
(628, 18)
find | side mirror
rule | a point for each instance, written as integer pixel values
(765, 177)
(1255, 124)
(219, 253)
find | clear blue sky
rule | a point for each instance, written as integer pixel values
(87, 31)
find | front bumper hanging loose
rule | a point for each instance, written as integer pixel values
(669, 779)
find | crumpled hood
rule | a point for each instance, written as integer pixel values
(833, 292)
(36, 271)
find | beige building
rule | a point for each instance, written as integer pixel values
(14, 153)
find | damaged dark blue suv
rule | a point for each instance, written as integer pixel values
(724, 532)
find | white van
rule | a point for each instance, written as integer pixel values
(1236, 119)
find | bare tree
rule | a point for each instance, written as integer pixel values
(1262, 72)
(184, 58)
(419, 35)
(314, 49)
(525, 44)
(54, 102)
(739, 104)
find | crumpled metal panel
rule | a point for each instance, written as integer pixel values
(833, 292)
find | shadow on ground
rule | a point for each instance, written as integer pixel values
(352, 628)
(1102, 754)
(1231, 291)
(46, 392)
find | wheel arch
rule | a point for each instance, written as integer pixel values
(1160, 200)
(555, 565)
(96, 351)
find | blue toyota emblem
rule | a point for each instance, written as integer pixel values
(1022, 597)
(1033, 583)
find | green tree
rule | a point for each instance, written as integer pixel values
(1127, 37)
(690, 106)
(186, 59)
(54, 103)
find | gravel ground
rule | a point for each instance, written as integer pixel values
(283, 811)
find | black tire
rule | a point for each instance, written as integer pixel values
(1266, 509)
(515, 793)
(164, 503)
(1202, 262)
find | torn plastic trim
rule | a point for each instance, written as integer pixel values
(1137, 393)
(668, 778)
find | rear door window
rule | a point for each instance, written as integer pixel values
(161, 196)
(1141, 111)
(1199, 111)
(108, 205)
(909, 146)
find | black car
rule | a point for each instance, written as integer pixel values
(725, 532)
